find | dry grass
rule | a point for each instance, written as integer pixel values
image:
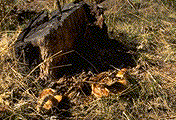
(147, 26)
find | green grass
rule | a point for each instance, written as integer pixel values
(147, 26)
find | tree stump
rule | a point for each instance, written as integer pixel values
(79, 31)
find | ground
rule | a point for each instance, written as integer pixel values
(147, 27)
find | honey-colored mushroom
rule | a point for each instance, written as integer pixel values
(121, 72)
(47, 99)
(99, 90)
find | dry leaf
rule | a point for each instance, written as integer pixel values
(99, 90)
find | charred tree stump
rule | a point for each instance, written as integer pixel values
(78, 29)
(48, 34)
